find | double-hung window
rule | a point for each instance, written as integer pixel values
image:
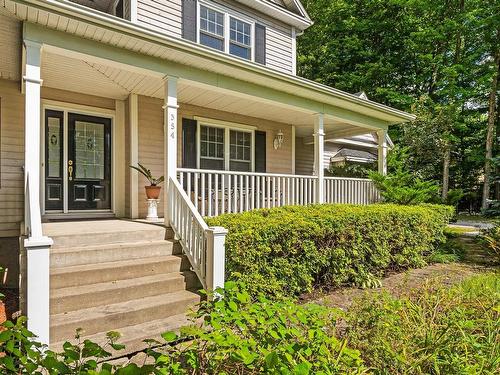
(240, 38)
(224, 148)
(225, 32)
(212, 28)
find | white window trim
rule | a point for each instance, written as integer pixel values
(227, 14)
(227, 126)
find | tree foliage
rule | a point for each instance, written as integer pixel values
(433, 58)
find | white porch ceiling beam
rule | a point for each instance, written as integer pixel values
(129, 60)
(342, 133)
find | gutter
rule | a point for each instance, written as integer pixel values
(100, 19)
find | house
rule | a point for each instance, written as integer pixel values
(204, 92)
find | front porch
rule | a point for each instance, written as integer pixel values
(159, 106)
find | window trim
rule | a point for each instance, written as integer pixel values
(227, 126)
(227, 14)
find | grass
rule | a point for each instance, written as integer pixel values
(474, 218)
(460, 230)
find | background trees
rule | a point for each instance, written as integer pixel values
(438, 59)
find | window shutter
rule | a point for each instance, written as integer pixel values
(188, 143)
(260, 151)
(189, 8)
(260, 44)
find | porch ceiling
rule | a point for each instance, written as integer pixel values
(90, 76)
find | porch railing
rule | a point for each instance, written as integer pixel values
(203, 245)
(213, 192)
(350, 190)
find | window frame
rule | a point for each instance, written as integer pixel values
(228, 13)
(227, 126)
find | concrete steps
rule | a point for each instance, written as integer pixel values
(118, 315)
(132, 336)
(114, 275)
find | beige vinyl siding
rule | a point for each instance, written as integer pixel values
(304, 156)
(11, 158)
(166, 16)
(77, 98)
(277, 161)
(161, 15)
(150, 146)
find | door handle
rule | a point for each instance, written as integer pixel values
(70, 169)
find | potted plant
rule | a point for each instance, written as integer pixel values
(153, 190)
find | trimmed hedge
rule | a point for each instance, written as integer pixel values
(285, 251)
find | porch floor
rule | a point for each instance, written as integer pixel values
(86, 227)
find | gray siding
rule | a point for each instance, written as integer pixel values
(162, 15)
(166, 16)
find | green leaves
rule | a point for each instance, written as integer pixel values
(285, 251)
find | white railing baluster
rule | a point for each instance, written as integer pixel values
(218, 192)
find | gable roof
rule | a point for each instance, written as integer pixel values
(291, 12)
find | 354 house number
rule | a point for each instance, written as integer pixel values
(172, 125)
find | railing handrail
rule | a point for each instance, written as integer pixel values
(187, 201)
(346, 178)
(214, 171)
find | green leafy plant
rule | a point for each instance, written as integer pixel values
(431, 330)
(491, 237)
(286, 251)
(241, 334)
(153, 181)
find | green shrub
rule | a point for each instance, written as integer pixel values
(285, 251)
(434, 330)
(491, 238)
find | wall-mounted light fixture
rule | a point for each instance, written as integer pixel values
(278, 140)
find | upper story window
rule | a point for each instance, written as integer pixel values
(225, 32)
(211, 28)
(240, 35)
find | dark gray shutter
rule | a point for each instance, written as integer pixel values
(188, 143)
(260, 44)
(260, 151)
(189, 19)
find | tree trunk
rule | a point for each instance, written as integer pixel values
(446, 172)
(490, 129)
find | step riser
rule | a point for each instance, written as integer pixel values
(118, 253)
(105, 238)
(99, 275)
(118, 320)
(107, 297)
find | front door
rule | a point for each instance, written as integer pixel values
(77, 162)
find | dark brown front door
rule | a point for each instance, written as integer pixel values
(89, 162)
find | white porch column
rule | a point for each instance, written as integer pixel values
(36, 245)
(382, 151)
(133, 102)
(319, 150)
(216, 257)
(170, 133)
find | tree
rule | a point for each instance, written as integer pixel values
(430, 57)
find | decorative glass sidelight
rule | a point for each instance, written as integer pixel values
(54, 144)
(89, 150)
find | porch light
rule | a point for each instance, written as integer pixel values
(278, 140)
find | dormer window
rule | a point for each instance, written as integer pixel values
(225, 31)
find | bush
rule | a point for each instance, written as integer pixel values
(434, 330)
(285, 251)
